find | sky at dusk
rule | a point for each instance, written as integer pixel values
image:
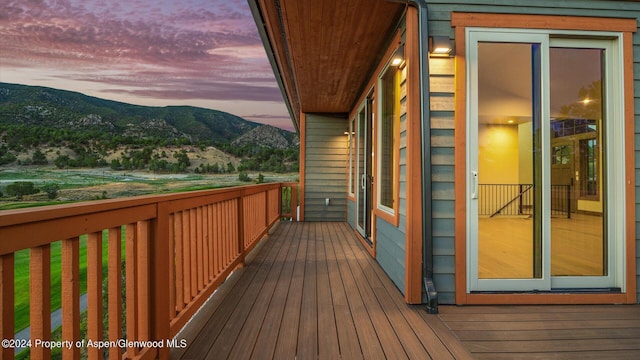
(204, 53)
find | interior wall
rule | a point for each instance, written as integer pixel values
(498, 154)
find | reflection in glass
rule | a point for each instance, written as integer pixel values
(578, 246)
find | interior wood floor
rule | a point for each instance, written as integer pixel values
(506, 246)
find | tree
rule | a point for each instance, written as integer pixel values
(62, 161)
(230, 167)
(21, 188)
(51, 190)
(243, 176)
(38, 158)
(183, 158)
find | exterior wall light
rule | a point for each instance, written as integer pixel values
(440, 46)
(398, 56)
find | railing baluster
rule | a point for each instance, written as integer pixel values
(115, 289)
(193, 259)
(142, 279)
(186, 253)
(94, 293)
(40, 306)
(210, 253)
(173, 259)
(241, 228)
(205, 245)
(228, 236)
(71, 296)
(131, 259)
(200, 249)
(7, 321)
(179, 256)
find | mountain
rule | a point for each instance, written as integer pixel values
(60, 109)
(269, 136)
(44, 126)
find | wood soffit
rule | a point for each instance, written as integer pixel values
(327, 50)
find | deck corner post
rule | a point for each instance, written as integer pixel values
(160, 255)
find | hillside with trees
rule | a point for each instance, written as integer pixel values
(49, 127)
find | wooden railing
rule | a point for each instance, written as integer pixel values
(177, 250)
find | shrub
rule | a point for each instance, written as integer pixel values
(21, 188)
(243, 176)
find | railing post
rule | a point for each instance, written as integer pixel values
(6, 302)
(160, 255)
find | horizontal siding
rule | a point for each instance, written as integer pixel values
(390, 252)
(325, 168)
(442, 112)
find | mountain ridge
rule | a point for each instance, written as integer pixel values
(44, 106)
(95, 130)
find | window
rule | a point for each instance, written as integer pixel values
(388, 122)
(589, 167)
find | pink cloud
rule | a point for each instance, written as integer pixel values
(163, 49)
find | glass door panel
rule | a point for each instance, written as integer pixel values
(578, 244)
(507, 148)
(364, 179)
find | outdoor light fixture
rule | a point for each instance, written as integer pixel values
(440, 46)
(398, 56)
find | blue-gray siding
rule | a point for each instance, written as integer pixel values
(351, 213)
(325, 171)
(442, 113)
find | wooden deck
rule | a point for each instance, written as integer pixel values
(548, 331)
(312, 291)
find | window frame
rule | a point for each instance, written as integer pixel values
(388, 213)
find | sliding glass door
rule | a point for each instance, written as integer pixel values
(540, 140)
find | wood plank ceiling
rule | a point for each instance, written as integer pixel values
(326, 50)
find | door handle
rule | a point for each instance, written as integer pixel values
(363, 182)
(474, 175)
